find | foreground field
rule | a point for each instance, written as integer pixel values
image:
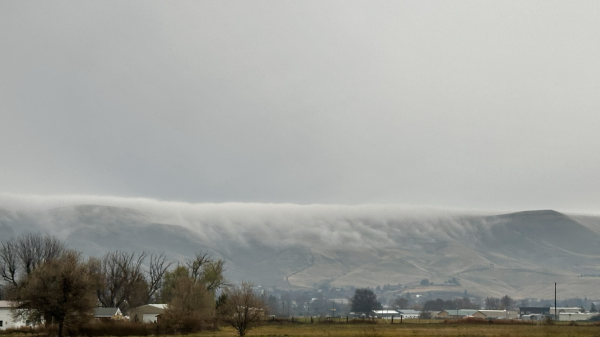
(416, 329)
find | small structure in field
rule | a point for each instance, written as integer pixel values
(146, 313)
(106, 314)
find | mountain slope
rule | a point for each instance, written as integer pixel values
(521, 254)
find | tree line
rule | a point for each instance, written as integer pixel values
(50, 283)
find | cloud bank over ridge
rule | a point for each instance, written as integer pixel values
(272, 224)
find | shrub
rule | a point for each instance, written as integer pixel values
(112, 328)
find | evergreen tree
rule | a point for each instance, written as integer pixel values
(364, 301)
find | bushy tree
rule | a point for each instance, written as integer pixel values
(202, 269)
(272, 304)
(189, 292)
(60, 289)
(364, 301)
(507, 303)
(190, 307)
(320, 306)
(242, 309)
(170, 281)
(400, 303)
(438, 305)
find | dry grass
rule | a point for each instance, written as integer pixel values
(417, 329)
(410, 328)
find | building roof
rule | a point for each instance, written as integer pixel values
(5, 304)
(385, 311)
(409, 312)
(106, 312)
(575, 309)
(534, 308)
(340, 300)
(494, 313)
(461, 312)
(150, 309)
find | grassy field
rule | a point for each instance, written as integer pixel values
(415, 329)
(385, 329)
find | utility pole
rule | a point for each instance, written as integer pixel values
(555, 316)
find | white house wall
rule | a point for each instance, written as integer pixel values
(7, 320)
(149, 318)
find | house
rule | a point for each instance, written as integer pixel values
(456, 314)
(544, 311)
(146, 313)
(576, 316)
(385, 313)
(496, 314)
(434, 314)
(533, 317)
(108, 314)
(559, 310)
(6, 317)
(409, 313)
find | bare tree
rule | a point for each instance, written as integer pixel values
(124, 281)
(156, 271)
(20, 257)
(9, 264)
(35, 249)
(492, 303)
(242, 308)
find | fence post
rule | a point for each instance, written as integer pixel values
(392, 319)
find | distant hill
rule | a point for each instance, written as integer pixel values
(520, 254)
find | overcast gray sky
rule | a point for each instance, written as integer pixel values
(470, 104)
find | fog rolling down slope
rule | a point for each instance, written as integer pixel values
(520, 254)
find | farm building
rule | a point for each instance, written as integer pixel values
(456, 314)
(496, 314)
(6, 319)
(146, 313)
(385, 313)
(565, 309)
(409, 313)
(534, 311)
(108, 314)
(576, 316)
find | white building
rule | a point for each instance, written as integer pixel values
(386, 313)
(146, 313)
(6, 317)
(575, 316)
(409, 313)
(560, 310)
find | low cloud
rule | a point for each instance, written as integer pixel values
(244, 224)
